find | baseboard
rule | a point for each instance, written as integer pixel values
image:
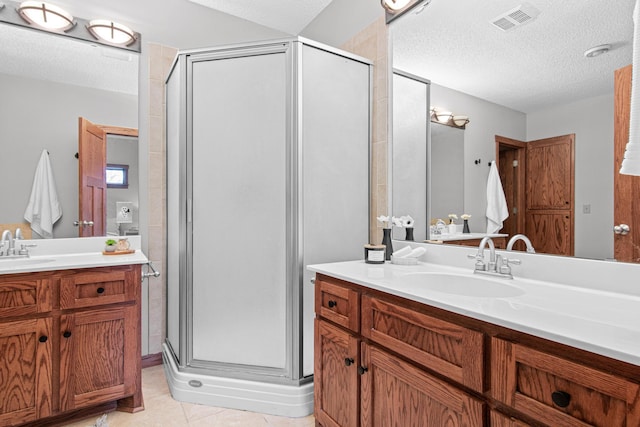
(151, 360)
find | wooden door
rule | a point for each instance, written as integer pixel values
(336, 362)
(549, 219)
(25, 370)
(626, 187)
(98, 354)
(396, 393)
(92, 156)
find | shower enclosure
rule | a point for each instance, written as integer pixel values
(267, 172)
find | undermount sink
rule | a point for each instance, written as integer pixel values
(10, 263)
(459, 284)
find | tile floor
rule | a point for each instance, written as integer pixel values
(161, 410)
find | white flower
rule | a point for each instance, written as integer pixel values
(453, 216)
(385, 220)
(396, 221)
(465, 216)
(407, 221)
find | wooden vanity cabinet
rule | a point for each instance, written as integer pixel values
(361, 383)
(69, 340)
(410, 364)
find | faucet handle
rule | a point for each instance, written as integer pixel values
(512, 261)
(23, 248)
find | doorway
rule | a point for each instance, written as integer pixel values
(538, 181)
(92, 191)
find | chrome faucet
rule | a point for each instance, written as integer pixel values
(497, 265)
(7, 237)
(526, 241)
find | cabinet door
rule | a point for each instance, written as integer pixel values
(395, 393)
(501, 420)
(25, 371)
(336, 376)
(559, 392)
(98, 356)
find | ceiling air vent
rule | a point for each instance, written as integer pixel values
(521, 15)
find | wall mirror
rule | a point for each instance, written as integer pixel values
(525, 81)
(47, 82)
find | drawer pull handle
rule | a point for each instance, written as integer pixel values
(348, 361)
(332, 304)
(66, 334)
(561, 398)
(100, 290)
(43, 338)
(362, 370)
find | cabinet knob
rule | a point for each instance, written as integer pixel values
(100, 290)
(362, 370)
(66, 334)
(561, 398)
(43, 338)
(348, 361)
(332, 304)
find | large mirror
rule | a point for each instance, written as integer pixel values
(47, 82)
(528, 82)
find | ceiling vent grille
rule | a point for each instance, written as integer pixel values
(521, 15)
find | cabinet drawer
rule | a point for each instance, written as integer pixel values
(19, 297)
(337, 303)
(449, 349)
(98, 288)
(558, 392)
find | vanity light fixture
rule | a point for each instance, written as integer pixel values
(395, 5)
(111, 32)
(447, 118)
(46, 16)
(396, 8)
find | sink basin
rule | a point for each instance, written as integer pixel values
(459, 284)
(13, 263)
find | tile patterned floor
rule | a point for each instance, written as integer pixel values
(161, 410)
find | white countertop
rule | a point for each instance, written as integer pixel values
(464, 236)
(65, 254)
(605, 323)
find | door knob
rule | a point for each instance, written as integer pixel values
(622, 229)
(87, 223)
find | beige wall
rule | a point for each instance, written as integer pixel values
(373, 44)
(160, 59)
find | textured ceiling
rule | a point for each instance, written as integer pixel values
(531, 67)
(290, 16)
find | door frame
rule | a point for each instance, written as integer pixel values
(520, 148)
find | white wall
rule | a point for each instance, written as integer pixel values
(486, 121)
(592, 122)
(44, 115)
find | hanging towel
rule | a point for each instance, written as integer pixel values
(497, 210)
(44, 208)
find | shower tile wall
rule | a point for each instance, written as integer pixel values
(160, 59)
(373, 44)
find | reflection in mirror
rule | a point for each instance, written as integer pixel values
(528, 83)
(409, 156)
(47, 82)
(122, 194)
(447, 170)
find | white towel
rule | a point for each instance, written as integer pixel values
(497, 210)
(44, 208)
